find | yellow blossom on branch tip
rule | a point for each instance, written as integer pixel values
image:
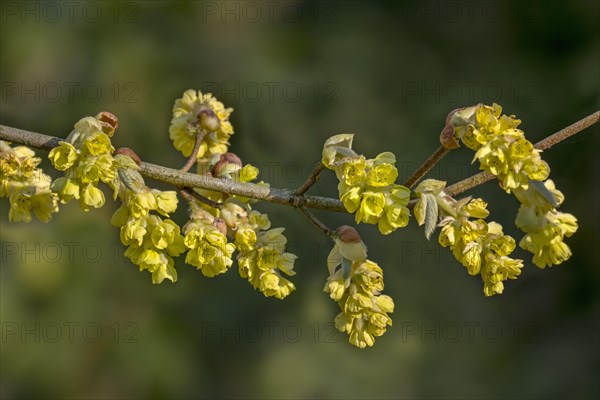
(26, 186)
(186, 124)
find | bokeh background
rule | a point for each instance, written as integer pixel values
(79, 320)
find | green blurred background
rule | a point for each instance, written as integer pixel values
(79, 321)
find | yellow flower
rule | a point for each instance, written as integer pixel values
(364, 310)
(86, 158)
(151, 241)
(382, 175)
(26, 186)
(544, 225)
(25, 199)
(66, 189)
(480, 247)
(352, 171)
(63, 156)
(371, 207)
(91, 196)
(262, 257)
(97, 144)
(208, 248)
(395, 216)
(186, 124)
(248, 173)
(166, 201)
(351, 198)
(500, 148)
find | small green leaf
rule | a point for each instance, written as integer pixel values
(431, 214)
(546, 194)
(420, 210)
(431, 186)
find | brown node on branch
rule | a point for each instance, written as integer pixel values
(220, 224)
(447, 138)
(347, 234)
(226, 158)
(109, 122)
(126, 151)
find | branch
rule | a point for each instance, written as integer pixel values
(273, 195)
(543, 144)
(311, 180)
(185, 179)
(191, 195)
(316, 222)
(193, 157)
(426, 166)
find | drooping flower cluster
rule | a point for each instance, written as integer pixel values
(26, 185)
(544, 225)
(479, 246)
(207, 245)
(261, 250)
(366, 186)
(152, 241)
(194, 113)
(356, 283)
(86, 158)
(501, 149)
(262, 257)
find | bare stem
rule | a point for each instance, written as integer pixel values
(543, 144)
(191, 195)
(193, 157)
(311, 180)
(316, 221)
(426, 166)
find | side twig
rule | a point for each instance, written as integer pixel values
(192, 158)
(311, 180)
(543, 144)
(190, 195)
(426, 166)
(316, 222)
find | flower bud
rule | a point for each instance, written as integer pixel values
(447, 138)
(350, 245)
(109, 122)
(129, 153)
(209, 121)
(220, 224)
(347, 234)
(227, 158)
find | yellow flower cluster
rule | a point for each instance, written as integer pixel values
(356, 286)
(152, 241)
(481, 247)
(501, 149)
(366, 186)
(26, 186)
(86, 158)
(261, 251)
(208, 247)
(195, 112)
(544, 225)
(262, 256)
